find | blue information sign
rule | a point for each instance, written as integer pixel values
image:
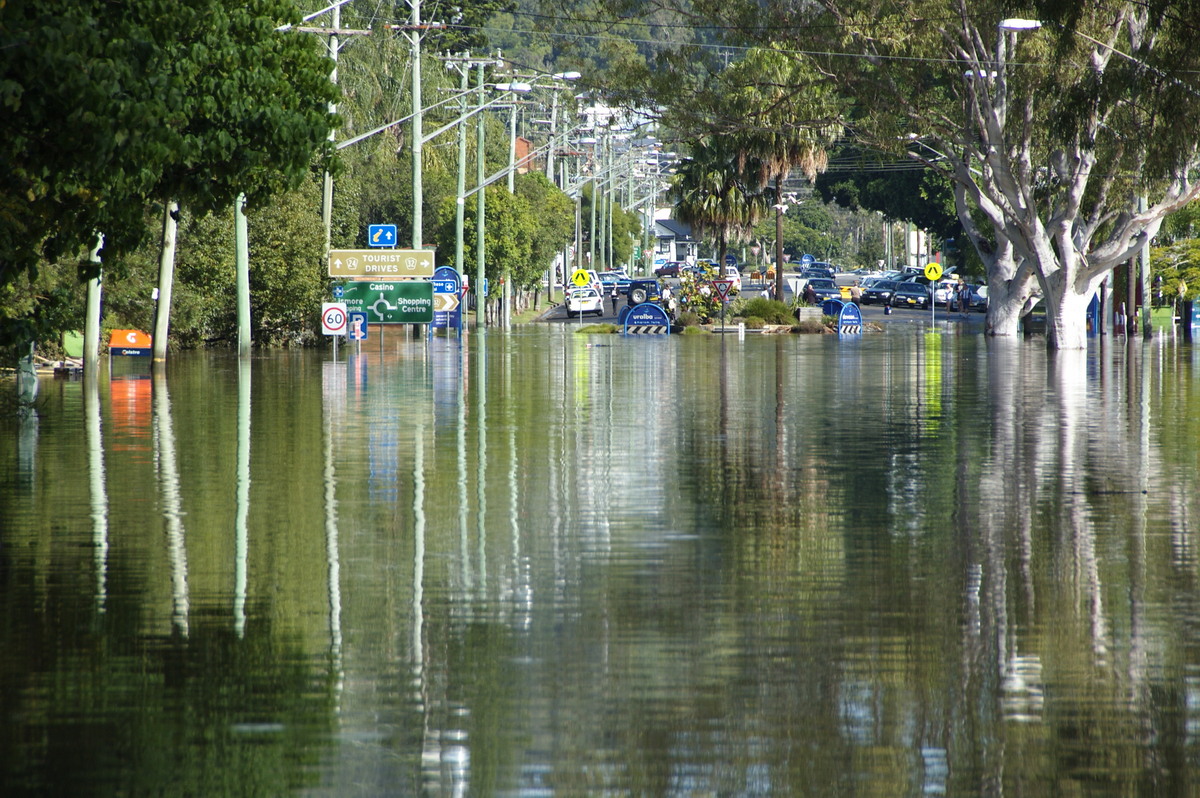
(381, 235)
(338, 292)
(730, 259)
(647, 319)
(357, 321)
(447, 297)
(832, 307)
(807, 259)
(850, 320)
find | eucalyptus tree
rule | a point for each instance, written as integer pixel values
(713, 196)
(1050, 133)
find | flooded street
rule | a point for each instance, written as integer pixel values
(539, 563)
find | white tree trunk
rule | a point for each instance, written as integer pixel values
(1005, 306)
(1066, 317)
(166, 278)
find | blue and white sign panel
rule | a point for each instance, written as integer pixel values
(850, 320)
(730, 259)
(358, 325)
(832, 307)
(447, 308)
(647, 319)
(381, 235)
(807, 259)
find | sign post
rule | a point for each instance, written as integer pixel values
(447, 312)
(333, 322)
(722, 288)
(933, 273)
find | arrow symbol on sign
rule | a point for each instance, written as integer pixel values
(444, 303)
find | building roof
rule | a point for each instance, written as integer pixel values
(669, 228)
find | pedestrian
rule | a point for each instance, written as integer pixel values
(856, 293)
(614, 295)
(964, 297)
(810, 294)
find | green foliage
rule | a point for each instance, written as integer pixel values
(109, 106)
(287, 276)
(771, 311)
(508, 238)
(1179, 267)
(553, 228)
(687, 319)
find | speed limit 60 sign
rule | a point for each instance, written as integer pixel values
(333, 318)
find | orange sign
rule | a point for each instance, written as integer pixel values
(129, 342)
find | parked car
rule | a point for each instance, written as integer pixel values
(879, 292)
(826, 269)
(910, 295)
(584, 300)
(825, 288)
(619, 277)
(672, 268)
(644, 290)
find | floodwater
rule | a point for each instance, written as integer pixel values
(544, 564)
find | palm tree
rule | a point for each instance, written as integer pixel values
(778, 117)
(711, 195)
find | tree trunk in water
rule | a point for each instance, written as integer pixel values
(166, 277)
(1066, 319)
(1003, 313)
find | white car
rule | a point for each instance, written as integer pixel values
(733, 275)
(584, 300)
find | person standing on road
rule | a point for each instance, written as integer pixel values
(614, 295)
(810, 296)
(964, 297)
(856, 293)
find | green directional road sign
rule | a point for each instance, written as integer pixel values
(401, 302)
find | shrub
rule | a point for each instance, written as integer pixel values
(771, 311)
(694, 330)
(809, 326)
(755, 323)
(687, 319)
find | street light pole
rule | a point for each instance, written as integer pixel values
(480, 174)
(417, 127)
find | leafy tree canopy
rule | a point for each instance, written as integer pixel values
(109, 106)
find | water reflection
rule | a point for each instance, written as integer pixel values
(916, 562)
(172, 503)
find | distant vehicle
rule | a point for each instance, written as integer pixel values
(619, 277)
(672, 268)
(732, 274)
(879, 292)
(825, 288)
(584, 300)
(910, 295)
(826, 269)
